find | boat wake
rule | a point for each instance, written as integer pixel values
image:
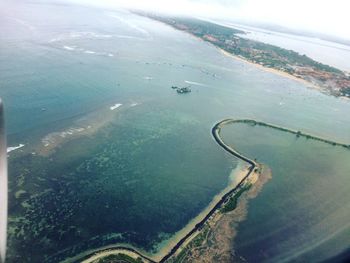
(195, 83)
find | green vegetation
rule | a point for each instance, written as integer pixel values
(179, 258)
(258, 52)
(199, 27)
(198, 241)
(291, 62)
(232, 202)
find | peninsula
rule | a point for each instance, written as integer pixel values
(328, 79)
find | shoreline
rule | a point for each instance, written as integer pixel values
(308, 84)
(271, 70)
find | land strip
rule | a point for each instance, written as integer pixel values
(325, 78)
(276, 127)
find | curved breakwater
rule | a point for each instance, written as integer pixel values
(281, 128)
(215, 131)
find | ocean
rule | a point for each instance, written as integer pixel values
(112, 154)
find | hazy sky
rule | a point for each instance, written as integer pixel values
(326, 16)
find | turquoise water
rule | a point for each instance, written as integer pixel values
(302, 214)
(153, 165)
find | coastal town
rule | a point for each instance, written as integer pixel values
(326, 78)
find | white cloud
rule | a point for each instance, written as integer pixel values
(329, 17)
(325, 16)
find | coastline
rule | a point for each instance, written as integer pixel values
(270, 70)
(307, 83)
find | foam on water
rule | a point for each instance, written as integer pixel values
(53, 137)
(10, 149)
(79, 35)
(69, 47)
(89, 52)
(195, 83)
(115, 106)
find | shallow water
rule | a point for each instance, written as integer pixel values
(153, 166)
(302, 214)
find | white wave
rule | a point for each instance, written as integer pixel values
(24, 23)
(105, 54)
(133, 26)
(134, 104)
(69, 47)
(195, 83)
(10, 149)
(78, 35)
(70, 131)
(88, 34)
(55, 39)
(53, 137)
(148, 78)
(89, 52)
(115, 106)
(129, 37)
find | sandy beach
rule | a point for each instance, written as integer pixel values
(110, 252)
(271, 70)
